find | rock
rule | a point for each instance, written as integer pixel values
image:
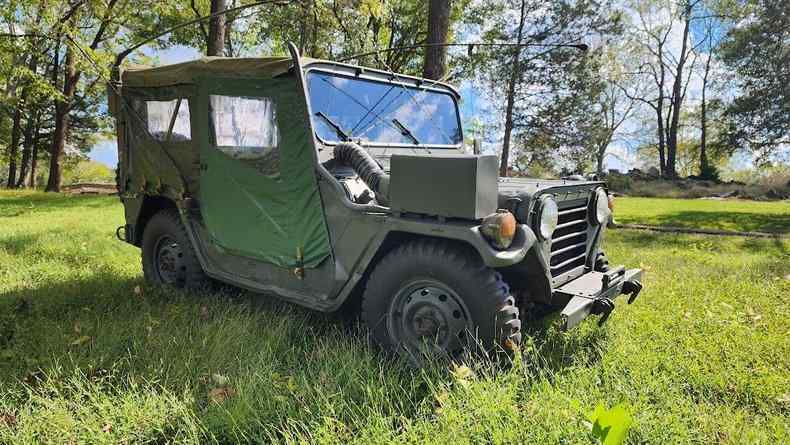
(731, 194)
(653, 172)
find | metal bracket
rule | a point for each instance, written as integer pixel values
(633, 288)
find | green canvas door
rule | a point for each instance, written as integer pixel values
(258, 192)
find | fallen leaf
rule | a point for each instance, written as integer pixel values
(7, 419)
(81, 340)
(219, 379)
(462, 375)
(219, 395)
(106, 428)
(204, 315)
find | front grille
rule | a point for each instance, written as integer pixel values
(570, 238)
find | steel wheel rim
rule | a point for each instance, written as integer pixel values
(428, 319)
(169, 261)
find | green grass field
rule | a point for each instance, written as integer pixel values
(739, 215)
(90, 354)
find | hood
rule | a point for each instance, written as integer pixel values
(518, 194)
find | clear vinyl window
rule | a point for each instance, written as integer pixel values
(170, 117)
(244, 127)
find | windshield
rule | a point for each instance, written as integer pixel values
(381, 113)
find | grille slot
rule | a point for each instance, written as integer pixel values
(569, 240)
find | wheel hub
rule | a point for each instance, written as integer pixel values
(428, 318)
(169, 260)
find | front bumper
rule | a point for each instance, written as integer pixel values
(594, 292)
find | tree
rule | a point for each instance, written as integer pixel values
(615, 103)
(435, 63)
(71, 77)
(216, 30)
(536, 90)
(668, 67)
(758, 51)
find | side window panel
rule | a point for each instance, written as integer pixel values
(161, 115)
(245, 128)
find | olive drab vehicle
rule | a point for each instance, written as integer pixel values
(325, 183)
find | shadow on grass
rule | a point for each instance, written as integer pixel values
(656, 240)
(548, 350)
(740, 221)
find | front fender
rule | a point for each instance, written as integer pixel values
(494, 258)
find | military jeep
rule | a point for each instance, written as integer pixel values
(326, 183)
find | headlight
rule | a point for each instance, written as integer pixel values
(601, 206)
(548, 217)
(499, 229)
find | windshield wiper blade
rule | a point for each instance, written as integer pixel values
(338, 129)
(405, 131)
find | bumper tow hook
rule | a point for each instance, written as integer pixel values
(632, 288)
(602, 307)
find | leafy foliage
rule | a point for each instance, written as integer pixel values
(759, 53)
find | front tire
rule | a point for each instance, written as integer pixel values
(168, 256)
(436, 299)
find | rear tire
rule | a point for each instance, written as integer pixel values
(168, 256)
(436, 299)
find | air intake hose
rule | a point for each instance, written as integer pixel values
(354, 156)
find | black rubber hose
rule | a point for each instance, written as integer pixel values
(354, 156)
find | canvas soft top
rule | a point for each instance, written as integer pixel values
(189, 72)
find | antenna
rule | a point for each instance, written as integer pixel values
(580, 46)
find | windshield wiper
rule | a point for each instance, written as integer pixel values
(405, 131)
(338, 129)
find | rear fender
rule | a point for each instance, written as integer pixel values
(139, 211)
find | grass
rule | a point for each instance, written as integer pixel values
(90, 354)
(731, 214)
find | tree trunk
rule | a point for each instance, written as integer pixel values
(34, 154)
(677, 98)
(599, 160)
(216, 30)
(435, 63)
(13, 146)
(71, 77)
(27, 148)
(511, 93)
(704, 167)
(28, 133)
(662, 163)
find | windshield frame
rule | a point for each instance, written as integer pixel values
(386, 78)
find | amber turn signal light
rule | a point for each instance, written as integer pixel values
(499, 229)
